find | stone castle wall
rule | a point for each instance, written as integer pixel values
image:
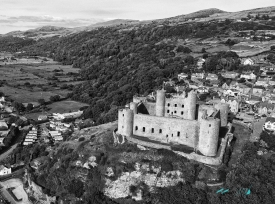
(201, 134)
(166, 130)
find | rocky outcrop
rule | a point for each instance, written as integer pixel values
(151, 176)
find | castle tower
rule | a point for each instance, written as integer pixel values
(209, 136)
(133, 107)
(190, 105)
(224, 110)
(202, 114)
(125, 122)
(160, 103)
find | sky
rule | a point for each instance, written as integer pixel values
(27, 14)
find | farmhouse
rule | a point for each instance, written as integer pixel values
(4, 170)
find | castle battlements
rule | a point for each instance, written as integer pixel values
(175, 120)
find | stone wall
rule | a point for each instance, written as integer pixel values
(166, 130)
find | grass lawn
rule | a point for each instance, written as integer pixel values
(65, 106)
(25, 96)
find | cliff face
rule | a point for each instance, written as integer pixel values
(144, 174)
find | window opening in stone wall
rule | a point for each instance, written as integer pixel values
(176, 105)
(181, 112)
(136, 127)
(123, 115)
(209, 125)
(168, 104)
(182, 106)
(178, 134)
(172, 135)
(153, 130)
(143, 129)
(167, 136)
(175, 111)
(160, 130)
(168, 111)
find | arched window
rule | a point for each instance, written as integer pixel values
(153, 130)
(136, 127)
(143, 129)
(160, 130)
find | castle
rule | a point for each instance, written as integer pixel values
(175, 120)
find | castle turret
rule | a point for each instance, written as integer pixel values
(133, 107)
(125, 122)
(224, 110)
(191, 101)
(209, 136)
(160, 103)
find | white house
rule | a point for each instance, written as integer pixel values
(182, 76)
(233, 105)
(261, 82)
(230, 75)
(247, 61)
(4, 170)
(269, 124)
(212, 77)
(248, 76)
(197, 75)
(200, 63)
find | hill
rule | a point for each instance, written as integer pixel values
(114, 22)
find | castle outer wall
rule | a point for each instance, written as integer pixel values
(201, 134)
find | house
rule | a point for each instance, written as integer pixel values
(258, 90)
(231, 92)
(230, 75)
(182, 76)
(198, 76)
(202, 90)
(272, 100)
(226, 86)
(200, 63)
(4, 170)
(233, 104)
(212, 77)
(42, 117)
(269, 124)
(247, 61)
(243, 89)
(265, 108)
(252, 100)
(261, 82)
(251, 76)
(272, 82)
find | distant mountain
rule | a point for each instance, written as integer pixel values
(47, 29)
(202, 15)
(113, 23)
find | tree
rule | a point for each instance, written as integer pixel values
(54, 98)
(18, 106)
(29, 107)
(41, 101)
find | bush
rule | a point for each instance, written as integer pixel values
(81, 139)
(55, 98)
